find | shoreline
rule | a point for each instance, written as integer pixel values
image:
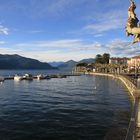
(128, 84)
(133, 130)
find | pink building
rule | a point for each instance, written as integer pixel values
(134, 61)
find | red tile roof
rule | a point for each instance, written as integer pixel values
(136, 57)
(115, 58)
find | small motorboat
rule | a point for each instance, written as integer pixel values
(28, 77)
(18, 78)
(40, 77)
(2, 79)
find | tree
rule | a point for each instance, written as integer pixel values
(99, 59)
(82, 64)
(102, 59)
(106, 57)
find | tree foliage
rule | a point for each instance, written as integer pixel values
(82, 64)
(102, 59)
(106, 57)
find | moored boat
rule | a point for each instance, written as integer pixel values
(41, 77)
(28, 77)
(2, 79)
(18, 78)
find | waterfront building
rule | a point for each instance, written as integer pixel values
(134, 64)
(134, 61)
(116, 60)
(116, 65)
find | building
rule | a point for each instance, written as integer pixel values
(115, 60)
(134, 61)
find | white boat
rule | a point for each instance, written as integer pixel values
(18, 78)
(28, 77)
(2, 79)
(40, 77)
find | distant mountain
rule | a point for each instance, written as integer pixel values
(19, 62)
(56, 64)
(71, 63)
(67, 65)
(89, 60)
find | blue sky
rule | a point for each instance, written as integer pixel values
(60, 30)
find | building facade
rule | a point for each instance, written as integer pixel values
(134, 61)
(115, 60)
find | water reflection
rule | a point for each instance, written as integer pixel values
(66, 109)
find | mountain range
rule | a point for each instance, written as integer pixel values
(19, 62)
(70, 64)
(56, 64)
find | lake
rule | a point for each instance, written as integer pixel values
(74, 108)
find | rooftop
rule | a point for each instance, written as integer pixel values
(136, 57)
(117, 58)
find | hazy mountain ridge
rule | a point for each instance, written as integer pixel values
(56, 64)
(67, 65)
(89, 60)
(18, 62)
(71, 63)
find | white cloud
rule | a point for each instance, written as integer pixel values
(35, 31)
(63, 50)
(56, 50)
(56, 56)
(4, 50)
(107, 21)
(98, 35)
(62, 46)
(68, 43)
(122, 48)
(104, 26)
(4, 30)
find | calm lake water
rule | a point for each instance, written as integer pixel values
(74, 108)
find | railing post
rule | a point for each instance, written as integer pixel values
(138, 109)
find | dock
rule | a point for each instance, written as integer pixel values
(48, 76)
